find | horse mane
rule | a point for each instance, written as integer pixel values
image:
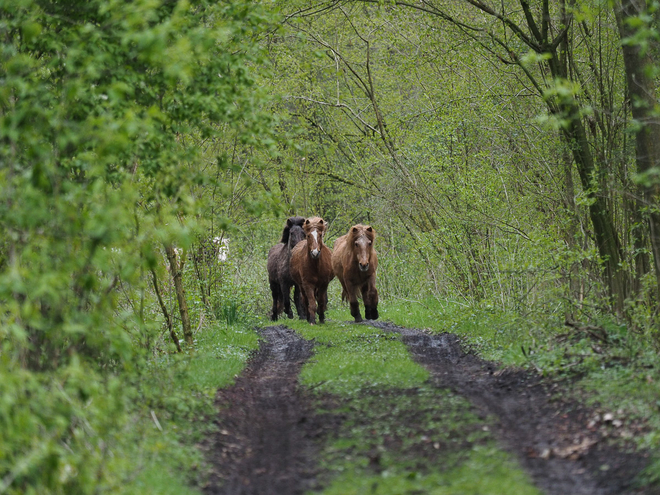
(290, 222)
(360, 230)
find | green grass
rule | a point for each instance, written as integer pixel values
(485, 471)
(495, 335)
(349, 357)
(220, 354)
(620, 376)
(426, 440)
(162, 478)
(179, 389)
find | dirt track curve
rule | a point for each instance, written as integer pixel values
(269, 436)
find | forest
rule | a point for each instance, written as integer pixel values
(506, 154)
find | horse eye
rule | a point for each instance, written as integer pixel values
(370, 243)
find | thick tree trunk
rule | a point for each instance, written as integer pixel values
(641, 88)
(176, 271)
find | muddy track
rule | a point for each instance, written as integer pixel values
(265, 440)
(269, 437)
(549, 437)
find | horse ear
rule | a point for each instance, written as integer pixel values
(289, 223)
(369, 229)
(355, 229)
(307, 222)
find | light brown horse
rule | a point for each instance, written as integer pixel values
(355, 262)
(311, 268)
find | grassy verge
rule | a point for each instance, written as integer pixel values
(398, 433)
(174, 411)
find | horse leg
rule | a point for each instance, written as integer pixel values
(286, 298)
(355, 306)
(275, 291)
(310, 300)
(323, 302)
(297, 299)
(370, 298)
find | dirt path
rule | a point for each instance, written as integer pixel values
(550, 438)
(265, 444)
(269, 437)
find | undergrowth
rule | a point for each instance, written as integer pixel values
(175, 410)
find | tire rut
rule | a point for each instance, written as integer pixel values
(549, 437)
(264, 444)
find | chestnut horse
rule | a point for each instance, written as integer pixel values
(355, 262)
(311, 269)
(279, 273)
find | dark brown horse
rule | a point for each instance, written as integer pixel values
(279, 273)
(311, 269)
(355, 262)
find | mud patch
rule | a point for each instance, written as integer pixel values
(548, 434)
(266, 428)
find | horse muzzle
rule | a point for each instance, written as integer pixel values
(315, 253)
(363, 268)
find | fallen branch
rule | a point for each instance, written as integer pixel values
(597, 333)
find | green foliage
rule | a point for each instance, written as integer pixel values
(102, 108)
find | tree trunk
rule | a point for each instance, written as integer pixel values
(607, 239)
(641, 89)
(166, 314)
(176, 269)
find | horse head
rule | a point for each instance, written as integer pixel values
(314, 229)
(296, 234)
(290, 223)
(361, 242)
